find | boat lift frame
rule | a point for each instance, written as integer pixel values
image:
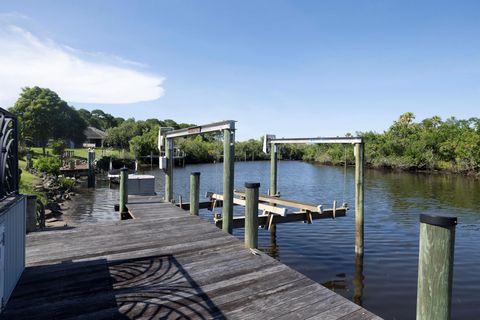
(166, 138)
(270, 146)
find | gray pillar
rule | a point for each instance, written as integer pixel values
(435, 267)
(359, 205)
(228, 176)
(273, 170)
(194, 192)
(251, 214)
(123, 190)
(169, 171)
(91, 169)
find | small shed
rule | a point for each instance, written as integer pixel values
(94, 137)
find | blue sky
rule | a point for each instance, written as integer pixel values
(291, 68)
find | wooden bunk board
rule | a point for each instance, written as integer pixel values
(285, 202)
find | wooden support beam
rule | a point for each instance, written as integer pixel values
(285, 202)
(239, 222)
(201, 205)
(228, 176)
(261, 206)
(359, 205)
(169, 171)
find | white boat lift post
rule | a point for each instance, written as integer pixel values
(270, 145)
(166, 138)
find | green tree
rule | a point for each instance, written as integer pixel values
(43, 115)
(119, 137)
(145, 144)
(99, 119)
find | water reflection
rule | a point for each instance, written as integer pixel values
(358, 281)
(274, 250)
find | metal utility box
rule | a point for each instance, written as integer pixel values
(162, 163)
(266, 142)
(141, 184)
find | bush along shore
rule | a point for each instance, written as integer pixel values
(52, 189)
(429, 145)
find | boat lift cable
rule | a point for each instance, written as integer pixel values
(218, 137)
(344, 173)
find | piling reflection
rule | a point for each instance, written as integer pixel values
(358, 280)
(340, 281)
(273, 250)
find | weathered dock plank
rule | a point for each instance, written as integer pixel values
(163, 264)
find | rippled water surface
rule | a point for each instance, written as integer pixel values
(324, 251)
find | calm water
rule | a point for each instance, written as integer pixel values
(324, 250)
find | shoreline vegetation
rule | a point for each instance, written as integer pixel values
(430, 145)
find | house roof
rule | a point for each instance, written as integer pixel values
(94, 133)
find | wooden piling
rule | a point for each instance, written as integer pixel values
(91, 169)
(169, 171)
(359, 205)
(228, 175)
(123, 190)
(251, 214)
(194, 192)
(273, 170)
(435, 267)
(273, 184)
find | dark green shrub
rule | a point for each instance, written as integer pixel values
(58, 147)
(48, 165)
(66, 183)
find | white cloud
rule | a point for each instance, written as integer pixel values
(26, 60)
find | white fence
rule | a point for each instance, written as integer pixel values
(12, 244)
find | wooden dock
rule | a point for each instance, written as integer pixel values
(164, 264)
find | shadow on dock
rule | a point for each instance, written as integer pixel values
(147, 288)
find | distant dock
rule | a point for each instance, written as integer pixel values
(163, 264)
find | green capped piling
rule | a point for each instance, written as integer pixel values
(435, 267)
(123, 191)
(194, 192)
(251, 214)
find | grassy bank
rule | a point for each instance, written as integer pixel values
(83, 152)
(28, 182)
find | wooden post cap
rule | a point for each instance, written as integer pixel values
(436, 220)
(252, 184)
(195, 173)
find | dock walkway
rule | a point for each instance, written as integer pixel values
(164, 264)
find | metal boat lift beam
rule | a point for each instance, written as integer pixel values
(319, 140)
(212, 127)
